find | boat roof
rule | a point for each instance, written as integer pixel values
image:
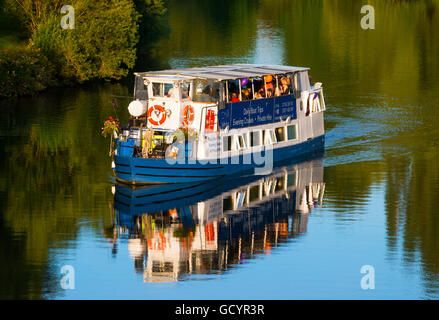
(222, 72)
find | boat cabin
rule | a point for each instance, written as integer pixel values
(223, 98)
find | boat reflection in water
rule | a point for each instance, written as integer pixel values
(179, 230)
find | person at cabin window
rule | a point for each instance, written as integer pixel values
(170, 91)
(234, 97)
(260, 94)
(269, 82)
(233, 90)
(269, 93)
(284, 85)
(246, 94)
(258, 86)
(269, 85)
(277, 91)
(246, 91)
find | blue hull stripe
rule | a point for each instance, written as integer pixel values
(177, 168)
(159, 171)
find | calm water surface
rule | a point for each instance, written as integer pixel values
(302, 232)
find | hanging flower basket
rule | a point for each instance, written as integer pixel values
(111, 127)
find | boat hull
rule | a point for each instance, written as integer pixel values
(139, 171)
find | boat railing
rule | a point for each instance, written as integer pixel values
(132, 142)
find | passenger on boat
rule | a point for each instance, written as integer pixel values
(269, 82)
(260, 94)
(171, 93)
(269, 93)
(246, 94)
(284, 85)
(258, 85)
(269, 85)
(234, 97)
(233, 90)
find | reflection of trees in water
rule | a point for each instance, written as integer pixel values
(52, 175)
(411, 196)
(412, 206)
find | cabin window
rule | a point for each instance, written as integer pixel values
(269, 137)
(246, 89)
(255, 138)
(169, 90)
(280, 134)
(186, 90)
(163, 90)
(206, 91)
(140, 89)
(227, 143)
(157, 89)
(291, 131)
(233, 91)
(258, 88)
(270, 84)
(283, 85)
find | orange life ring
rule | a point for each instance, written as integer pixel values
(188, 115)
(162, 117)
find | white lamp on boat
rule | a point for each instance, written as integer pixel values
(137, 108)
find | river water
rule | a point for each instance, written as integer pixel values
(303, 232)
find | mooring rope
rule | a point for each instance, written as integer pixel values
(147, 137)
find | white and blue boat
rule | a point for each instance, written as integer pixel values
(198, 124)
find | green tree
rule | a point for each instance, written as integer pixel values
(102, 45)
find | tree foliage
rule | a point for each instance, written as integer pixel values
(102, 45)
